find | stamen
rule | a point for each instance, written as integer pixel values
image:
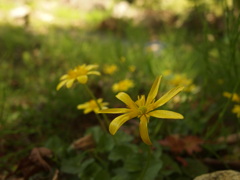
(142, 110)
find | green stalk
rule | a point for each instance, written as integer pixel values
(221, 114)
(232, 33)
(95, 99)
(147, 164)
(100, 122)
(98, 158)
(157, 128)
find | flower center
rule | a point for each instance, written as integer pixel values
(93, 104)
(142, 110)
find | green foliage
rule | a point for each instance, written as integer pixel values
(195, 168)
(34, 114)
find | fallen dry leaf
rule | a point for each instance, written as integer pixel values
(230, 139)
(55, 177)
(178, 144)
(37, 161)
(174, 142)
(84, 143)
(37, 156)
(192, 144)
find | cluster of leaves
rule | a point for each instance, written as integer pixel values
(100, 155)
(107, 157)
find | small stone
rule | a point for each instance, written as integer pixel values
(220, 175)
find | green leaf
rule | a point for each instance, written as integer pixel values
(85, 170)
(194, 168)
(56, 145)
(91, 170)
(134, 162)
(103, 174)
(122, 137)
(121, 152)
(169, 166)
(158, 150)
(121, 174)
(72, 165)
(97, 133)
(106, 143)
(153, 169)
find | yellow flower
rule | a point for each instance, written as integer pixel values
(167, 72)
(182, 80)
(122, 59)
(80, 74)
(236, 110)
(132, 68)
(235, 97)
(191, 88)
(110, 69)
(92, 106)
(123, 85)
(143, 108)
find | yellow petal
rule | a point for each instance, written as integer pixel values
(61, 84)
(165, 114)
(94, 72)
(92, 66)
(154, 90)
(115, 110)
(87, 110)
(69, 83)
(99, 100)
(65, 76)
(143, 128)
(169, 95)
(124, 97)
(81, 106)
(141, 101)
(82, 79)
(104, 104)
(118, 122)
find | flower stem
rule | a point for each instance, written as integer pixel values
(157, 128)
(100, 108)
(142, 175)
(100, 122)
(221, 115)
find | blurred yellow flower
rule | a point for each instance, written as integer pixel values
(132, 68)
(182, 80)
(235, 97)
(80, 74)
(191, 88)
(167, 72)
(236, 110)
(110, 69)
(123, 85)
(220, 81)
(143, 108)
(122, 59)
(92, 106)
